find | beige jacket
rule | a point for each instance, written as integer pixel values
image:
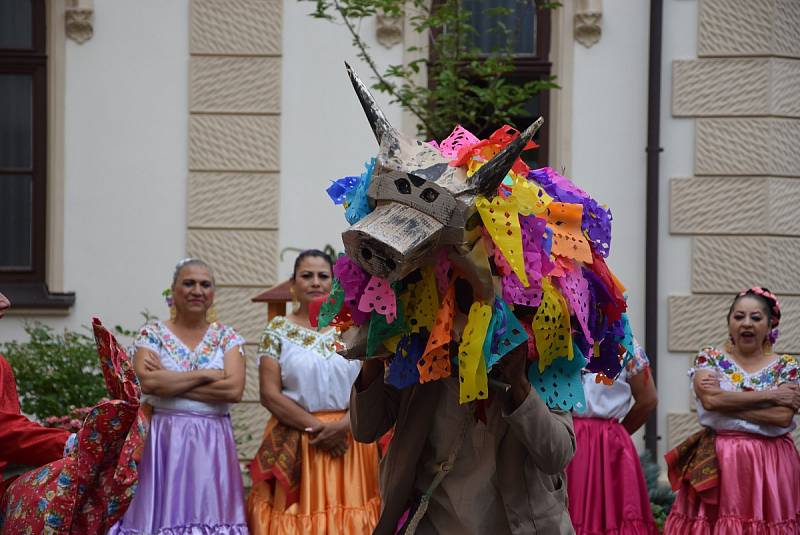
(535, 447)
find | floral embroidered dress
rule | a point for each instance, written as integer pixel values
(605, 483)
(298, 488)
(758, 465)
(784, 369)
(189, 480)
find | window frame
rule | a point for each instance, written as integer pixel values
(27, 288)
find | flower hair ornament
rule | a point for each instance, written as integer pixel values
(774, 308)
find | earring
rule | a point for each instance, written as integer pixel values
(211, 314)
(729, 345)
(170, 303)
(173, 312)
(295, 302)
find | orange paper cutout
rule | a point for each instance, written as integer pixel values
(435, 361)
(564, 219)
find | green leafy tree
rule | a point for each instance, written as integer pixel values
(464, 84)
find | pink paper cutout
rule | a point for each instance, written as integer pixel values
(536, 264)
(575, 288)
(353, 280)
(379, 296)
(459, 137)
(442, 267)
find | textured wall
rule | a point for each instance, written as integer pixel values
(233, 185)
(740, 205)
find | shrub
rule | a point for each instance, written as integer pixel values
(55, 372)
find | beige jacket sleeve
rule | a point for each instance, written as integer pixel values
(546, 434)
(373, 410)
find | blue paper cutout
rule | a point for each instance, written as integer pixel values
(505, 332)
(356, 200)
(403, 371)
(627, 341)
(559, 385)
(338, 189)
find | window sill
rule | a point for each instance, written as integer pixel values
(36, 298)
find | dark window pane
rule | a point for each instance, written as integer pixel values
(519, 21)
(16, 223)
(16, 120)
(16, 24)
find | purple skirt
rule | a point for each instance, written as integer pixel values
(189, 479)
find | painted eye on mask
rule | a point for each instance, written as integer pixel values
(429, 195)
(403, 186)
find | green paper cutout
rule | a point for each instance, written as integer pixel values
(331, 306)
(379, 330)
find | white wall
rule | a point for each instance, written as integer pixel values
(609, 134)
(677, 160)
(324, 133)
(126, 113)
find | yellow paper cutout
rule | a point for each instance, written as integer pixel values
(531, 198)
(564, 219)
(435, 361)
(391, 343)
(551, 326)
(501, 218)
(471, 364)
(423, 301)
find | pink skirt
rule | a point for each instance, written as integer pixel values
(759, 490)
(605, 483)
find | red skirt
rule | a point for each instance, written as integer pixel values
(759, 490)
(605, 482)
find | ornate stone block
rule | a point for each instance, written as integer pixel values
(249, 421)
(221, 200)
(748, 146)
(696, 321)
(721, 86)
(235, 85)
(679, 426)
(239, 257)
(235, 27)
(767, 261)
(727, 205)
(749, 28)
(234, 308)
(234, 143)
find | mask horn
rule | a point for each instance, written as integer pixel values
(487, 179)
(377, 120)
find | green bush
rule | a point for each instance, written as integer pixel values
(661, 495)
(55, 372)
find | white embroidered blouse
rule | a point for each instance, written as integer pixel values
(312, 373)
(175, 356)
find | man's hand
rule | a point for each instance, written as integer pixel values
(513, 370)
(5, 304)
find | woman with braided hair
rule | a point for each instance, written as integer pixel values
(741, 473)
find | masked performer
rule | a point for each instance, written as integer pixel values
(192, 370)
(741, 473)
(309, 476)
(607, 490)
(89, 489)
(23, 444)
(457, 250)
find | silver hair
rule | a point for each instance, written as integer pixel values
(190, 262)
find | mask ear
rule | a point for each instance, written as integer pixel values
(487, 179)
(377, 120)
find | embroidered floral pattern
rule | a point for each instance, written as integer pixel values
(280, 329)
(638, 362)
(218, 339)
(784, 369)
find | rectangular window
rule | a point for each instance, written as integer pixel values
(23, 156)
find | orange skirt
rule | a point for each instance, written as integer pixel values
(338, 495)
